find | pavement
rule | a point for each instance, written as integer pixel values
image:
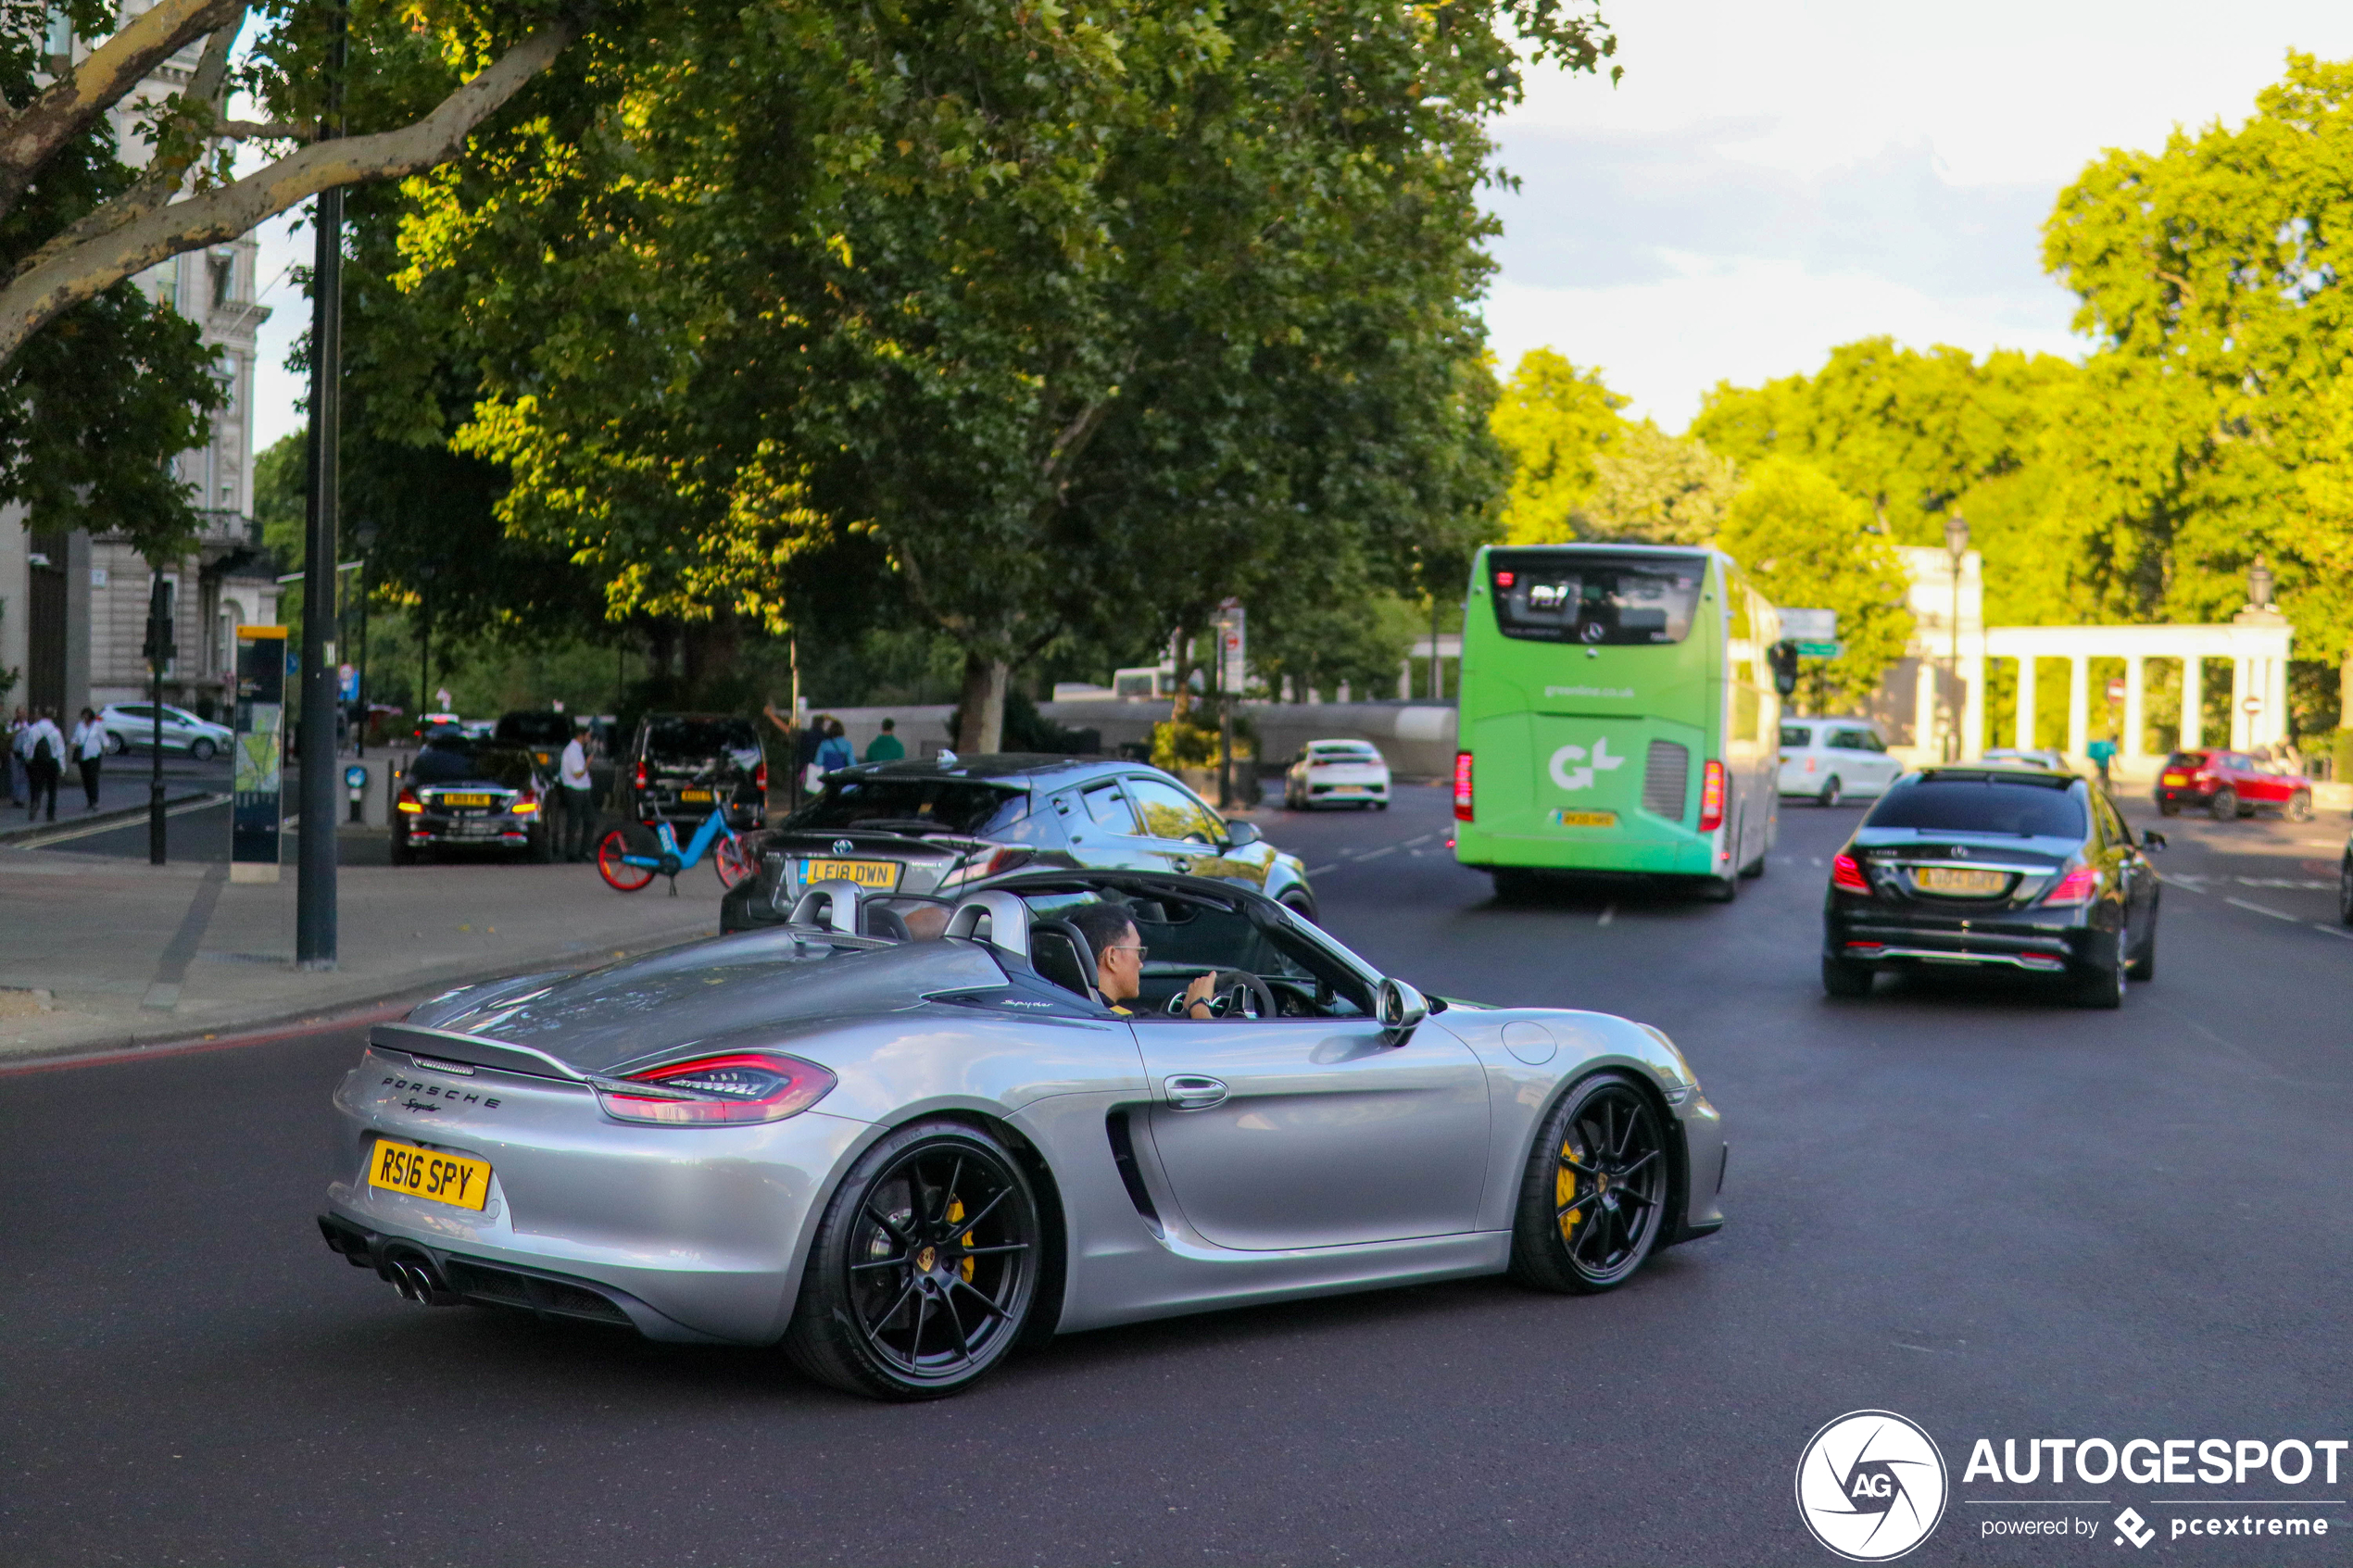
(106, 951)
(1959, 1200)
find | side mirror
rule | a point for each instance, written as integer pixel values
(1401, 1010)
(1240, 834)
(2152, 839)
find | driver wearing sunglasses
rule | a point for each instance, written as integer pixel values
(1119, 961)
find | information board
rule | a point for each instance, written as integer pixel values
(256, 761)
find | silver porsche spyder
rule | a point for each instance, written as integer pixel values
(904, 1157)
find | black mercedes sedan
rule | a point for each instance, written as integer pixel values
(1994, 868)
(461, 792)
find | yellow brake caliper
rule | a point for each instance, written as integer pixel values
(1564, 1189)
(956, 1213)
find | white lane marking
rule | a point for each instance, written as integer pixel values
(2332, 929)
(1609, 913)
(1376, 854)
(2279, 882)
(1424, 839)
(1814, 861)
(2259, 908)
(2322, 843)
(1318, 870)
(66, 836)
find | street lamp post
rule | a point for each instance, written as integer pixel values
(1956, 547)
(315, 883)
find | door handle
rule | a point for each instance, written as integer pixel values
(1192, 1091)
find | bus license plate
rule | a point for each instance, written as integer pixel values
(1584, 819)
(423, 1173)
(865, 874)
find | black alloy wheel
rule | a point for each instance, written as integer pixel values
(1831, 793)
(1719, 889)
(2144, 968)
(202, 751)
(1594, 1201)
(403, 852)
(2299, 805)
(925, 1268)
(1844, 977)
(2225, 805)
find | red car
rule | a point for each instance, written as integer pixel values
(2230, 785)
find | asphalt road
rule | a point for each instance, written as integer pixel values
(1965, 1202)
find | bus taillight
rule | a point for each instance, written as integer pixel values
(1462, 786)
(1711, 797)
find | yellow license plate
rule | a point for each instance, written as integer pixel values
(694, 795)
(1584, 819)
(1952, 878)
(865, 874)
(2177, 778)
(464, 799)
(424, 1173)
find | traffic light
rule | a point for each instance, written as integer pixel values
(1782, 656)
(159, 648)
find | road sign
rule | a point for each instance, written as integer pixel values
(1803, 626)
(1821, 649)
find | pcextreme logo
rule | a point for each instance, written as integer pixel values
(1572, 770)
(1870, 1486)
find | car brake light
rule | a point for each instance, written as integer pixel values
(760, 777)
(718, 1091)
(642, 778)
(1001, 857)
(525, 803)
(1462, 786)
(1711, 797)
(2077, 886)
(1846, 874)
(409, 801)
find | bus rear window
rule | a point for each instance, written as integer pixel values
(1613, 600)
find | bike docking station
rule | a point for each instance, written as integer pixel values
(256, 767)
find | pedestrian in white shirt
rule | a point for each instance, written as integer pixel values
(44, 751)
(580, 807)
(88, 744)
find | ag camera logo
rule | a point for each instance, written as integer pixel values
(1871, 1486)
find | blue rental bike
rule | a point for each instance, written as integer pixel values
(628, 869)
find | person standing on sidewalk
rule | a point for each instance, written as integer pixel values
(580, 803)
(88, 743)
(45, 755)
(12, 759)
(834, 752)
(886, 747)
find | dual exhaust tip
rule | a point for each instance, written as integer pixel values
(415, 1279)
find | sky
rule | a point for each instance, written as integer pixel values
(1768, 182)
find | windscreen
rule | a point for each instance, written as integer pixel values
(2186, 759)
(462, 761)
(1574, 597)
(959, 806)
(1950, 804)
(699, 740)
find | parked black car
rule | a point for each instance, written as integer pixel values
(681, 766)
(2004, 868)
(539, 731)
(940, 826)
(474, 794)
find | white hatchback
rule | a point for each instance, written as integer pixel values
(1827, 759)
(130, 726)
(1337, 773)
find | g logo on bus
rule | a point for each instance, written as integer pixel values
(1581, 777)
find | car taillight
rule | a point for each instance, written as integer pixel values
(525, 803)
(409, 801)
(1711, 797)
(760, 777)
(642, 778)
(999, 857)
(1846, 874)
(2078, 887)
(1809, 764)
(718, 1091)
(1462, 786)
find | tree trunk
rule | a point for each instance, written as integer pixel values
(708, 651)
(981, 717)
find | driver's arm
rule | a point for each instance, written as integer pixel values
(1197, 995)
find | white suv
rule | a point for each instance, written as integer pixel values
(1827, 759)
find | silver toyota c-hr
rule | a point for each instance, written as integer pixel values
(904, 1157)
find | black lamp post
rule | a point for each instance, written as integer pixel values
(315, 873)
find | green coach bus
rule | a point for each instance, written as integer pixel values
(1619, 713)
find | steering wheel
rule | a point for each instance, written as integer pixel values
(1234, 993)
